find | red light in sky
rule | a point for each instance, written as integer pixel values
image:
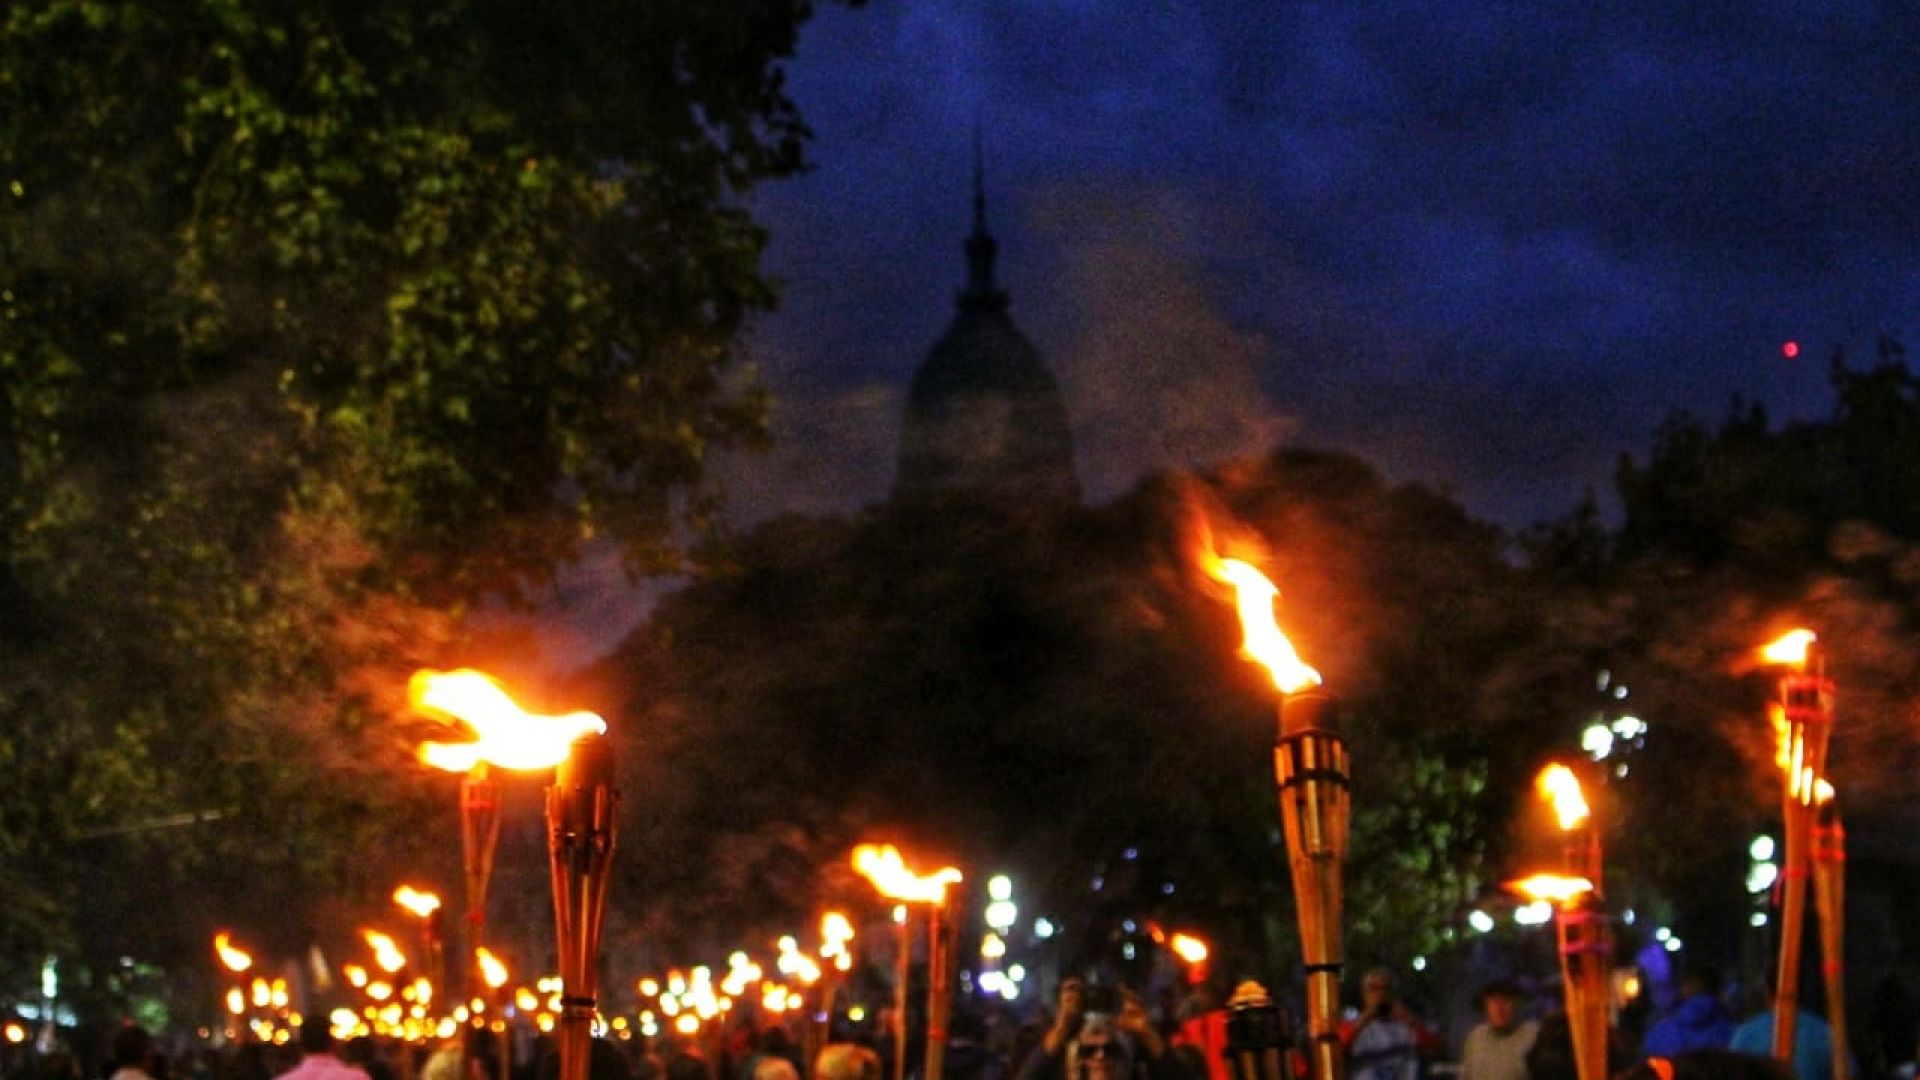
(1790, 350)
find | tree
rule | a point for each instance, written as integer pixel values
(1046, 693)
(325, 321)
(1729, 535)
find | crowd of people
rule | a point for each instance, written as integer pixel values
(1092, 1032)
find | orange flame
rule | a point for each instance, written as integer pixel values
(835, 932)
(1557, 888)
(1789, 648)
(385, 952)
(1263, 641)
(491, 969)
(509, 736)
(1188, 948)
(234, 959)
(420, 903)
(1559, 786)
(888, 871)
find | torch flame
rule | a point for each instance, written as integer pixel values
(888, 871)
(1188, 948)
(1789, 648)
(1559, 786)
(835, 929)
(234, 959)
(509, 736)
(385, 952)
(835, 933)
(491, 969)
(1557, 888)
(420, 903)
(1263, 641)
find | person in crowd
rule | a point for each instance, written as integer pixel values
(364, 1054)
(1812, 1040)
(132, 1051)
(1203, 1029)
(317, 1060)
(1551, 1057)
(968, 1056)
(481, 1054)
(770, 1067)
(1386, 1041)
(1084, 1044)
(1698, 1022)
(604, 1062)
(1497, 1049)
(846, 1061)
(686, 1064)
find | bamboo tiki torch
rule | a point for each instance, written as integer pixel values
(237, 961)
(1803, 722)
(1585, 937)
(1311, 769)
(494, 974)
(479, 838)
(942, 924)
(425, 906)
(1310, 763)
(1581, 926)
(902, 971)
(884, 866)
(836, 931)
(1829, 858)
(580, 838)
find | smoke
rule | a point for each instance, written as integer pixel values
(1155, 373)
(831, 450)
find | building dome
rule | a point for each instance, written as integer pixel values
(984, 415)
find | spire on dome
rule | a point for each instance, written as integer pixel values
(981, 293)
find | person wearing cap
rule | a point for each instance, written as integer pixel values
(1497, 1049)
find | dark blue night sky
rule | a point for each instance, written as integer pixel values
(1484, 247)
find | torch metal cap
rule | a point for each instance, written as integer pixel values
(1313, 710)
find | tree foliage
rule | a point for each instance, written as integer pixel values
(323, 321)
(1729, 535)
(1046, 693)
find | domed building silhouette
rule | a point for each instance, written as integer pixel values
(984, 415)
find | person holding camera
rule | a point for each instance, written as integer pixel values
(1386, 1041)
(1101, 1033)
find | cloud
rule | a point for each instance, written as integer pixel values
(1154, 373)
(832, 449)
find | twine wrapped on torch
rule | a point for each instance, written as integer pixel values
(580, 838)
